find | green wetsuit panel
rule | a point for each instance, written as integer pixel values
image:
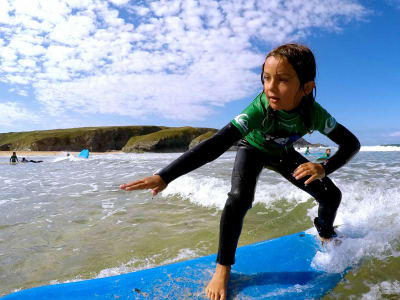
(274, 136)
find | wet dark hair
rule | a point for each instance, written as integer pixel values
(302, 60)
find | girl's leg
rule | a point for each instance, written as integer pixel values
(324, 191)
(248, 165)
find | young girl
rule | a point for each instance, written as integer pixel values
(267, 128)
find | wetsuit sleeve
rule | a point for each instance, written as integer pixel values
(348, 147)
(201, 154)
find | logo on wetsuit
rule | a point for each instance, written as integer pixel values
(281, 141)
(242, 120)
(330, 123)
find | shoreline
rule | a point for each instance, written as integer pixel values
(52, 153)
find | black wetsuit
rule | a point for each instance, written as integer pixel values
(14, 159)
(249, 162)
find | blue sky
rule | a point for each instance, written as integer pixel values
(78, 63)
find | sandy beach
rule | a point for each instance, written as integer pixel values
(49, 153)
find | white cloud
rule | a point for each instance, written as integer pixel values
(396, 133)
(20, 92)
(119, 2)
(72, 31)
(12, 113)
(395, 3)
(177, 59)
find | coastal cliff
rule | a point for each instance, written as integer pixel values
(166, 140)
(102, 139)
(93, 138)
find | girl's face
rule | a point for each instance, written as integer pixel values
(281, 84)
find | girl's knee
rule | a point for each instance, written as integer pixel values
(238, 201)
(335, 195)
(329, 195)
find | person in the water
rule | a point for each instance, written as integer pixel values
(14, 158)
(282, 113)
(327, 153)
(24, 160)
(325, 156)
(307, 150)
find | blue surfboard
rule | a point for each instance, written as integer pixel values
(84, 153)
(274, 269)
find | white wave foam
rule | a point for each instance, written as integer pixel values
(371, 229)
(57, 159)
(183, 254)
(68, 158)
(380, 148)
(268, 193)
(212, 192)
(363, 148)
(387, 288)
(123, 269)
(206, 191)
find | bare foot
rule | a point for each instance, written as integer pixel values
(323, 240)
(216, 288)
(336, 242)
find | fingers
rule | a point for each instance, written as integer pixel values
(301, 171)
(155, 182)
(155, 191)
(311, 179)
(134, 185)
(138, 185)
(315, 171)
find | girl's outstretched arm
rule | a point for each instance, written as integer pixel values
(201, 154)
(192, 159)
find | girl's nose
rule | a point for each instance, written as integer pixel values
(270, 84)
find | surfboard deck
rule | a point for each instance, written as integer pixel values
(279, 268)
(84, 153)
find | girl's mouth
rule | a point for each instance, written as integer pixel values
(273, 99)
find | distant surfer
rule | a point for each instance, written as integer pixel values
(282, 113)
(307, 151)
(327, 153)
(14, 158)
(325, 156)
(24, 160)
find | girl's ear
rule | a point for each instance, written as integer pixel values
(308, 87)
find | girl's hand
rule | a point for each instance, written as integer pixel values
(315, 171)
(155, 183)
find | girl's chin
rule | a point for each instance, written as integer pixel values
(275, 106)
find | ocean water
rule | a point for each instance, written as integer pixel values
(66, 219)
